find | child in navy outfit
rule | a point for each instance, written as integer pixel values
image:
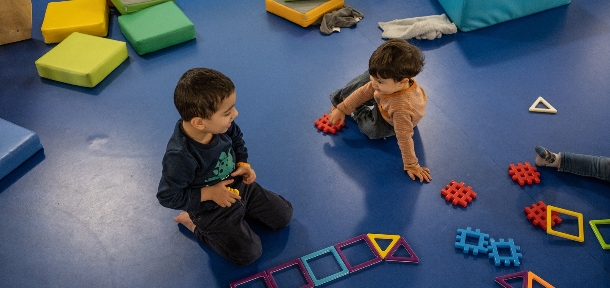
(206, 156)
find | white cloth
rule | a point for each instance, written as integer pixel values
(426, 27)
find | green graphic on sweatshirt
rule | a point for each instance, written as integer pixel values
(224, 166)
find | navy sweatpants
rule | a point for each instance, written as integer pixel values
(225, 230)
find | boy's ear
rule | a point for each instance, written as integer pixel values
(198, 123)
(404, 81)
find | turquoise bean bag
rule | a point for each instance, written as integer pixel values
(469, 15)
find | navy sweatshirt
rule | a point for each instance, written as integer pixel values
(189, 165)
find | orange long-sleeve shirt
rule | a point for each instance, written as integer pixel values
(403, 110)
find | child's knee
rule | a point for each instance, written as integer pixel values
(283, 220)
(284, 216)
(249, 255)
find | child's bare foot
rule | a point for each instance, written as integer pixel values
(184, 219)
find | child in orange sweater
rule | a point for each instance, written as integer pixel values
(387, 101)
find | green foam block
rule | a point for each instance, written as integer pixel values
(156, 27)
(130, 6)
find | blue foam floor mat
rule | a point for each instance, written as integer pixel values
(87, 215)
(16, 146)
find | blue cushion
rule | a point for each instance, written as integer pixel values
(17, 144)
(469, 15)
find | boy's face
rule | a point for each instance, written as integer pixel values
(387, 86)
(221, 120)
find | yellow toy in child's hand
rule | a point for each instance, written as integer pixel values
(233, 190)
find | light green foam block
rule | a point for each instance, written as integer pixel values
(82, 60)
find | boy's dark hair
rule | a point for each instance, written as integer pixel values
(396, 59)
(200, 91)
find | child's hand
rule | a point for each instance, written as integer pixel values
(336, 117)
(247, 173)
(422, 173)
(219, 194)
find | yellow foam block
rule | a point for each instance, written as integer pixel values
(303, 13)
(82, 59)
(15, 21)
(85, 16)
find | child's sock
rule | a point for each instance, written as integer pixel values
(547, 158)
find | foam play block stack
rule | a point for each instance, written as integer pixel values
(82, 59)
(156, 27)
(17, 144)
(130, 6)
(15, 21)
(470, 15)
(304, 12)
(85, 16)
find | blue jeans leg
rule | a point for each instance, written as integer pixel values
(371, 123)
(338, 95)
(369, 119)
(585, 165)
